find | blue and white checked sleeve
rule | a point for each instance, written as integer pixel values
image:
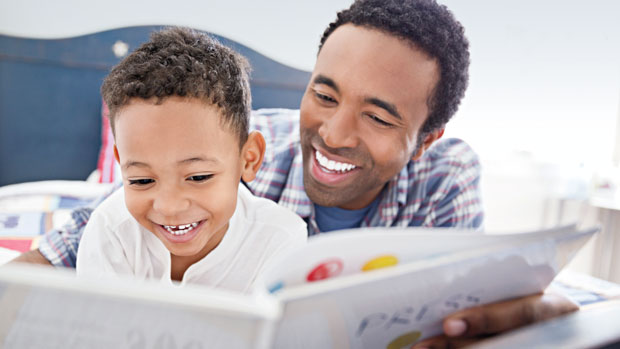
(60, 246)
(459, 204)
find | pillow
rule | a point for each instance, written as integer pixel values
(108, 169)
(28, 210)
(19, 244)
(7, 255)
(20, 231)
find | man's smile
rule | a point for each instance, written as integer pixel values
(331, 170)
(332, 166)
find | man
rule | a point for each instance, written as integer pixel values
(388, 77)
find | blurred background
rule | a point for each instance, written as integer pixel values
(541, 110)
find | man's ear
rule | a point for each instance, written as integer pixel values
(252, 155)
(118, 159)
(428, 140)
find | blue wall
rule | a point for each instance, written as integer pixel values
(50, 102)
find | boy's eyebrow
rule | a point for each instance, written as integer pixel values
(198, 159)
(130, 163)
(324, 80)
(387, 106)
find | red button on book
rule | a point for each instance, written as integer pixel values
(325, 270)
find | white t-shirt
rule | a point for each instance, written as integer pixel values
(114, 243)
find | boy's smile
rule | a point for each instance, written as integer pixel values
(181, 233)
(181, 169)
(181, 229)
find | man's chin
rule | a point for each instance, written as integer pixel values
(346, 197)
(325, 200)
(330, 197)
(327, 197)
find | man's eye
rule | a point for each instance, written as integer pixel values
(199, 178)
(141, 181)
(323, 97)
(379, 120)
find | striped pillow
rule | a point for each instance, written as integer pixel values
(109, 171)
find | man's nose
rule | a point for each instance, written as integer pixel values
(170, 202)
(340, 129)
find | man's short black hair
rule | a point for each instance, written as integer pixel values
(186, 63)
(430, 27)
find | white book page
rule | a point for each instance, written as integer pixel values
(78, 315)
(348, 252)
(395, 307)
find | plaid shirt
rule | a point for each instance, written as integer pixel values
(441, 189)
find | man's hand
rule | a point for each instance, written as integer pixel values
(33, 257)
(470, 325)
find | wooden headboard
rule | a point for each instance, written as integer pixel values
(50, 105)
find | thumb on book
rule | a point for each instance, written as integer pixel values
(507, 315)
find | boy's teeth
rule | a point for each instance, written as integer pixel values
(331, 164)
(180, 229)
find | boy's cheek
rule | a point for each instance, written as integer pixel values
(135, 204)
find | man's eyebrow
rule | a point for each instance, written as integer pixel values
(389, 107)
(324, 80)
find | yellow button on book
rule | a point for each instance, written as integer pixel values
(380, 262)
(405, 340)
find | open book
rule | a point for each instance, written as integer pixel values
(367, 288)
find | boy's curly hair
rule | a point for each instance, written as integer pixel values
(186, 63)
(430, 27)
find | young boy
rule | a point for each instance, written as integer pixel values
(179, 108)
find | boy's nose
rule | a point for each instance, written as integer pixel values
(170, 202)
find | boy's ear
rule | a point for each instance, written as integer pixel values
(118, 159)
(252, 155)
(428, 140)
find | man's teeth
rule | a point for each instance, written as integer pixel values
(331, 164)
(180, 229)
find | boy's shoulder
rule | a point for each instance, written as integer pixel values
(113, 209)
(269, 214)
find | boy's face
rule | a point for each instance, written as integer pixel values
(360, 116)
(181, 169)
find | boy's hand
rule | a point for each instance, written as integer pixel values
(470, 325)
(33, 257)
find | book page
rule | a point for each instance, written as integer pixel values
(38, 316)
(396, 307)
(349, 252)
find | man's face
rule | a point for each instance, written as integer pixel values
(360, 115)
(181, 171)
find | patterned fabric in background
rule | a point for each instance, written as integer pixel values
(108, 169)
(28, 210)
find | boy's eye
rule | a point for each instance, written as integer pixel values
(141, 181)
(199, 178)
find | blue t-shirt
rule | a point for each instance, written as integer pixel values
(336, 218)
